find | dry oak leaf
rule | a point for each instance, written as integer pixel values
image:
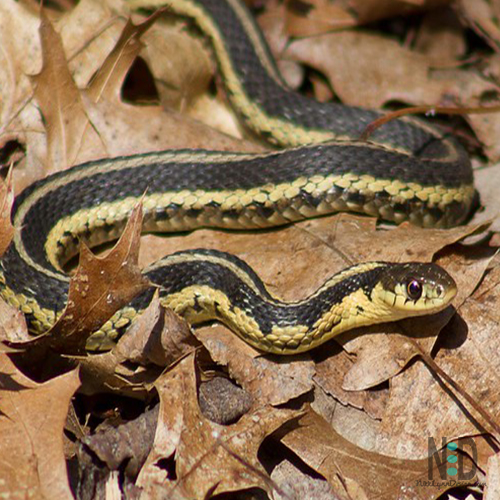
(13, 327)
(487, 181)
(269, 379)
(100, 287)
(368, 11)
(394, 72)
(357, 473)
(492, 487)
(6, 201)
(156, 339)
(59, 100)
(316, 17)
(32, 418)
(482, 17)
(209, 458)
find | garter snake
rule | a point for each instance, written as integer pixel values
(406, 171)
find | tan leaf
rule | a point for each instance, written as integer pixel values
(108, 81)
(441, 36)
(482, 16)
(99, 288)
(198, 444)
(487, 181)
(315, 17)
(157, 337)
(59, 100)
(492, 488)
(6, 201)
(402, 76)
(270, 379)
(32, 418)
(372, 10)
(166, 47)
(12, 325)
(355, 473)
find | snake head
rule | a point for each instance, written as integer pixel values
(416, 288)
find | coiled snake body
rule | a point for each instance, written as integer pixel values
(406, 171)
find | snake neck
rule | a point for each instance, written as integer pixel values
(207, 285)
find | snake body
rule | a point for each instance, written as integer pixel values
(407, 171)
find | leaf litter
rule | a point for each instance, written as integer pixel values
(352, 419)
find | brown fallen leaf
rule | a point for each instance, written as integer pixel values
(109, 78)
(402, 76)
(487, 181)
(373, 10)
(196, 444)
(13, 326)
(127, 445)
(166, 46)
(157, 337)
(32, 418)
(441, 37)
(482, 17)
(315, 17)
(355, 473)
(332, 367)
(6, 201)
(492, 487)
(59, 100)
(270, 379)
(98, 289)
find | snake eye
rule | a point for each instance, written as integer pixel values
(414, 289)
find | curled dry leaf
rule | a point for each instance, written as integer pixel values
(12, 326)
(482, 16)
(402, 76)
(109, 78)
(127, 445)
(270, 379)
(6, 201)
(315, 17)
(487, 181)
(181, 65)
(441, 37)
(99, 288)
(32, 418)
(372, 10)
(195, 444)
(157, 337)
(59, 100)
(355, 473)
